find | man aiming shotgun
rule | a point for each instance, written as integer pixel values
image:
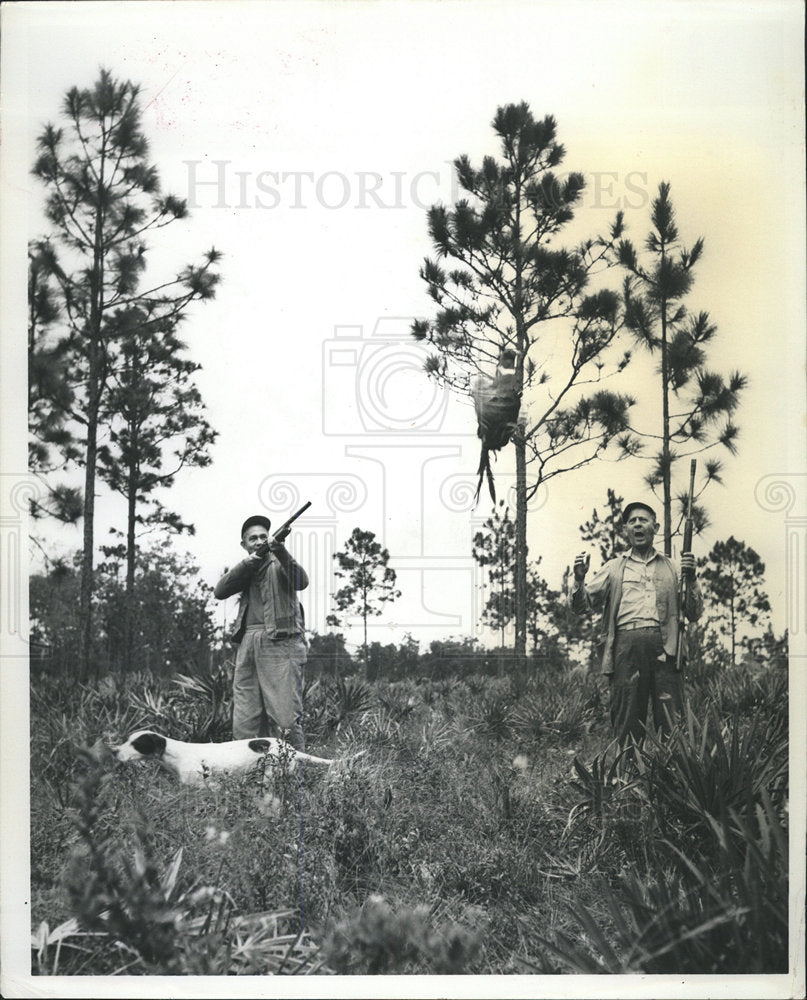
(644, 610)
(269, 632)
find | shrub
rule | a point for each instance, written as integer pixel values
(205, 704)
(603, 787)
(705, 769)
(567, 714)
(729, 918)
(494, 718)
(398, 702)
(138, 912)
(377, 939)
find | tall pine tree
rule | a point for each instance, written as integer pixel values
(370, 581)
(697, 404)
(154, 416)
(103, 198)
(505, 286)
(737, 606)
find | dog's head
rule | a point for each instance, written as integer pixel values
(141, 745)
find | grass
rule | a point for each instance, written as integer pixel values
(488, 830)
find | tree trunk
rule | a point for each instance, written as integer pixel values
(87, 558)
(364, 644)
(364, 612)
(521, 550)
(131, 557)
(520, 444)
(665, 445)
(733, 633)
(86, 586)
(502, 620)
(94, 392)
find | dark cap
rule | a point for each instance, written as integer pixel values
(632, 506)
(250, 522)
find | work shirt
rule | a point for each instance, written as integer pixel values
(255, 607)
(623, 586)
(638, 604)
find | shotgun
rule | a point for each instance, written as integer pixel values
(683, 597)
(283, 530)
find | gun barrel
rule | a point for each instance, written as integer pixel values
(292, 519)
(689, 519)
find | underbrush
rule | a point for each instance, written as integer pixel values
(492, 827)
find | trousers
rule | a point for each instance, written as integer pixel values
(643, 677)
(267, 687)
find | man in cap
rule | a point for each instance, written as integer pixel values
(270, 635)
(639, 593)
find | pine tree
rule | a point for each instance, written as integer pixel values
(545, 610)
(51, 445)
(370, 580)
(697, 404)
(154, 415)
(733, 577)
(103, 198)
(494, 550)
(506, 283)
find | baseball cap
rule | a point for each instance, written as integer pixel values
(250, 522)
(632, 506)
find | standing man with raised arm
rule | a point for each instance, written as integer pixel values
(639, 594)
(269, 631)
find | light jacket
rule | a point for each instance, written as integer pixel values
(605, 589)
(282, 612)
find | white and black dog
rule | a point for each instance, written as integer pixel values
(193, 763)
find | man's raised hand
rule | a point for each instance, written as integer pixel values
(581, 565)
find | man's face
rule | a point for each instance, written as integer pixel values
(640, 528)
(254, 537)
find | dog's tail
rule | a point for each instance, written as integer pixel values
(353, 756)
(307, 758)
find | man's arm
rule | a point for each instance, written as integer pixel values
(591, 593)
(296, 575)
(236, 579)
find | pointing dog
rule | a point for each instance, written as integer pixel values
(192, 763)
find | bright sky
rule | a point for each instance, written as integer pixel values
(310, 138)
